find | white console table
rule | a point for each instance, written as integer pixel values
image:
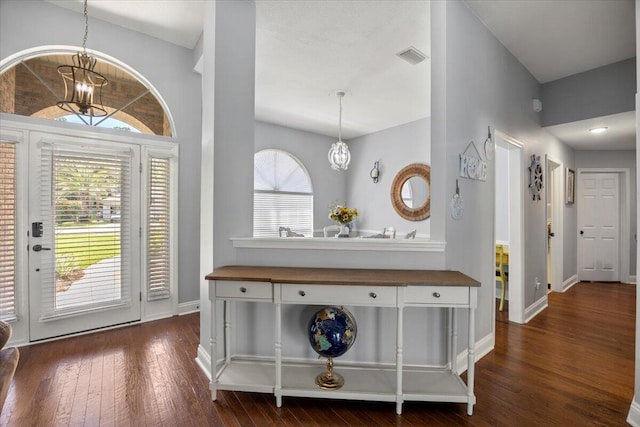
(360, 287)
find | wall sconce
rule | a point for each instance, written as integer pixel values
(375, 172)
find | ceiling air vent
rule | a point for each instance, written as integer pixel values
(412, 55)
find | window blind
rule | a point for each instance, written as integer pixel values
(272, 210)
(7, 231)
(86, 211)
(282, 195)
(158, 229)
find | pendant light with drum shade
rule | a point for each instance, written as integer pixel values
(339, 155)
(82, 84)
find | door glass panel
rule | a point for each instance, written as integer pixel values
(85, 204)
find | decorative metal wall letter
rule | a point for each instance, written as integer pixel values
(473, 167)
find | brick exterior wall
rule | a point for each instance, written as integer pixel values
(7, 83)
(23, 94)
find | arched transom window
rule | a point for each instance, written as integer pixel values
(282, 195)
(32, 86)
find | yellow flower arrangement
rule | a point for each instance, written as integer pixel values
(342, 214)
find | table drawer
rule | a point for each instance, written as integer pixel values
(437, 295)
(339, 295)
(231, 289)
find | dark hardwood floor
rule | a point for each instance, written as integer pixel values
(570, 366)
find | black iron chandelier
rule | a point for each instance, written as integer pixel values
(82, 85)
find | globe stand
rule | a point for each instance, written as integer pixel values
(329, 380)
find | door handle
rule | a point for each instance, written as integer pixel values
(38, 248)
(581, 232)
(552, 234)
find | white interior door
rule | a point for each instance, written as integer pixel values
(513, 171)
(84, 238)
(599, 227)
(555, 226)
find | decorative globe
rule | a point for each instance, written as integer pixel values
(332, 331)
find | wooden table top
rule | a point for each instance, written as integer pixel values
(342, 276)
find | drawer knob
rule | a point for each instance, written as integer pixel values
(302, 293)
(243, 290)
(436, 294)
(373, 295)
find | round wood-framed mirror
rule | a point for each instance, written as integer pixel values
(411, 192)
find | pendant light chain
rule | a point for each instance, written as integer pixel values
(86, 28)
(340, 119)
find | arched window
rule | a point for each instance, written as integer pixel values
(282, 195)
(32, 86)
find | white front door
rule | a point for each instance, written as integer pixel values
(599, 227)
(84, 243)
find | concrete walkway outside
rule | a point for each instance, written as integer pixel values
(100, 284)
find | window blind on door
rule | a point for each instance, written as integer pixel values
(7, 231)
(86, 208)
(158, 228)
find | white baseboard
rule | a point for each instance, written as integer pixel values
(204, 361)
(634, 413)
(536, 308)
(482, 348)
(188, 307)
(569, 282)
(632, 280)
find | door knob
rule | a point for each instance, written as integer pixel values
(38, 248)
(581, 232)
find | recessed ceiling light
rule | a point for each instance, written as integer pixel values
(598, 130)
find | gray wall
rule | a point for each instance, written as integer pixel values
(617, 159)
(311, 149)
(599, 92)
(167, 67)
(476, 82)
(394, 148)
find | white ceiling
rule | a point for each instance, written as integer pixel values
(306, 50)
(621, 134)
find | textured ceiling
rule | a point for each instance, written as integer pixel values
(308, 50)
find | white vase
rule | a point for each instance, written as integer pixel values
(344, 231)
